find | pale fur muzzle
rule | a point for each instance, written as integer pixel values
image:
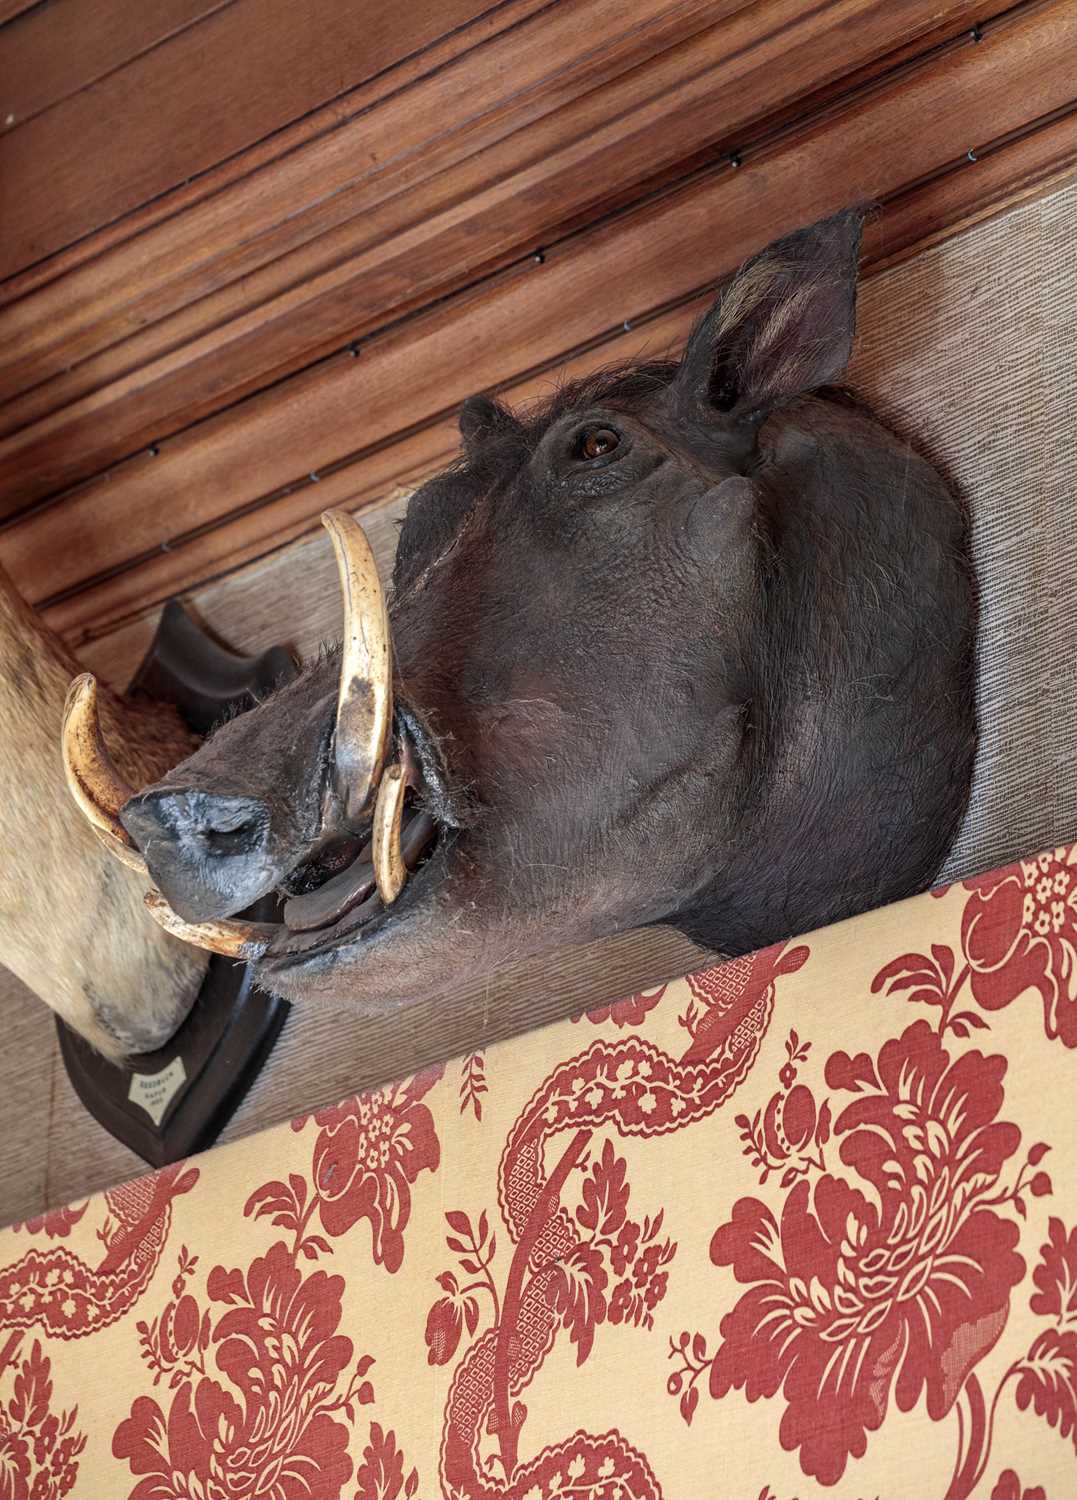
(73, 924)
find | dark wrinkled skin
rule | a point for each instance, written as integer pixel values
(719, 678)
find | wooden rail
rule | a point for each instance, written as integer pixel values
(544, 185)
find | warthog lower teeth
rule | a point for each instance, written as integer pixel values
(390, 871)
(233, 939)
(365, 694)
(123, 852)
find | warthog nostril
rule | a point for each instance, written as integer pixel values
(230, 840)
(209, 852)
(213, 822)
(224, 826)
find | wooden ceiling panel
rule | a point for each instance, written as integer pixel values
(99, 37)
(506, 149)
(388, 169)
(193, 395)
(11, 8)
(217, 87)
(372, 480)
(280, 143)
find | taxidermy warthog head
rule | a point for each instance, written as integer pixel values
(687, 644)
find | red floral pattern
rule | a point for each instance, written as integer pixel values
(369, 1151)
(716, 1008)
(633, 1010)
(55, 1225)
(280, 1429)
(1055, 1277)
(172, 1342)
(1009, 1488)
(381, 1474)
(460, 1306)
(473, 1084)
(277, 1344)
(1019, 932)
(784, 1135)
(73, 1298)
(1047, 1375)
(907, 1290)
(890, 1242)
(39, 1450)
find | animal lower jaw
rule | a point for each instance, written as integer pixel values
(352, 889)
(328, 912)
(369, 917)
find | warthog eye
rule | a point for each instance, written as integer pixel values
(597, 442)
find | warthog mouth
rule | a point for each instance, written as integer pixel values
(335, 890)
(388, 829)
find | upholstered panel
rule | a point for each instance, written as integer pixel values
(801, 1224)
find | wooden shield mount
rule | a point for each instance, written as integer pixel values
(169, 1103)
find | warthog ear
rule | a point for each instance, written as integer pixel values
(782, 326)
(482, 418)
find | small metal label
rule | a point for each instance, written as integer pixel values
(154, 1092)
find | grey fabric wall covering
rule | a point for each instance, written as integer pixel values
(972, 348)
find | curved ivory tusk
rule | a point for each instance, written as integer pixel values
(123, 852)
(242, 940)
(386, 854)
(365, 695)
(92, 778)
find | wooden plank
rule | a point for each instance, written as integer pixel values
(911, 221)
(493, 90)
(281, 143)
(1031, 165)
(11, 8)
(409, 139)
(62, 48)
(629, 268)
(145, 128)
(432, 210)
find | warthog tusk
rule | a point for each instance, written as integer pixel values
(92, 777)
(386, 853)
(365, 694)
(241, 940)
(123, 852)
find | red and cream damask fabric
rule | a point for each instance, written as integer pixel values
(803, 1224)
